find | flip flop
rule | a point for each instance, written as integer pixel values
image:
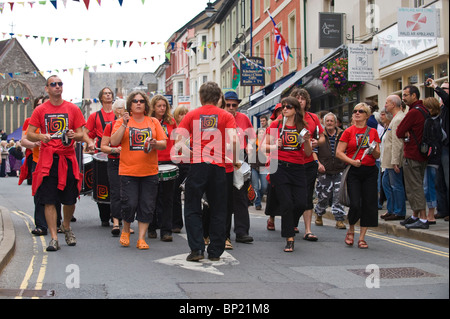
(310, 237)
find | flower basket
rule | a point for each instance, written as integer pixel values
(334, 78)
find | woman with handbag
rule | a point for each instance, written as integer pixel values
(359, 147)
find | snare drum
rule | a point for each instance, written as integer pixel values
(101, 182)
(87, 169)
(167, 172)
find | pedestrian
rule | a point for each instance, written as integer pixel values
(363, 174)
(414, 163)
(289, 149)
(162, 219)
(392, 161)
(57, 177)
(264, 121)
(5, 157)
(311, 162)
(183, 168)
(95, 127)
(442, 181)
(433, 163)
(118, 108)
(247, 139)
(138, 167)
(330, 171)
(258, 161)
(207, 172)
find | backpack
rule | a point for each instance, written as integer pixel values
(432, 135)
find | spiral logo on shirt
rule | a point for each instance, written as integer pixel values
(290, 140)
(208, 122)
(138, 137)
(56, 124)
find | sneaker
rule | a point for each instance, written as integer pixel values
(340, 225)
(319, 221)
(418, 224)
(195, 255)
(53, 245)
(394, 217)
(166, 238)
(244, 239)
(407, 221)
(71, 240)
(152, 234)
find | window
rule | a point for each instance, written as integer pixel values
(180, 88)
(292, 40)
(266, 4)
(268, 56)
(205, 47)
(257, 7)
(442, 70)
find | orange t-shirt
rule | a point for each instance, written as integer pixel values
(35, 149)
(133, 160)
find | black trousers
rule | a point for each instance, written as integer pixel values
(238, 206)
(210, 179)
(114, 188)
(177, 214)
(362, 186)
(289, 183)
(162, 219)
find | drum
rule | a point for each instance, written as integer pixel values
(87, 169)
(101, 182)
(167, 172)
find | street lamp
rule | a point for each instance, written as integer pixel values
(210, 10)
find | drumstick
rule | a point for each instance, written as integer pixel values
(284, 125)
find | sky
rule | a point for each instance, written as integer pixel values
(92, 31)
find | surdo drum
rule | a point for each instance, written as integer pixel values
(101, 182)
(87, 169)
(167, 172)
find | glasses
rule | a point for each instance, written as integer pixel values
(54, 84)
(138, 101)
(232, 105)
(287, 106)
(359, 111)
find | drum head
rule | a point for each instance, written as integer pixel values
(102, 157)
(87, 158)
(167, 168)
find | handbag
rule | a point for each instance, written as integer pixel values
(344, 198)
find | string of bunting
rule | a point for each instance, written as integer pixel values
(53, 2)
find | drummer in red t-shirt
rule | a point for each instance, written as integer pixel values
(311, 162)
(160, 109)
(95, 126)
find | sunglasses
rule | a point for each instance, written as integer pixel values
(138, 101)
(54, 84)
(359, 111)
(287, 106)
(232, 105)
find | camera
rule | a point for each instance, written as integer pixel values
(427, 83)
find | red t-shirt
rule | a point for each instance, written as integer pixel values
(207, 126)
(352, 136)
(107, 133)
(244, 129)
(94, 123)
(164, 155)
(291, 151)
(54, 120)
(315, 129)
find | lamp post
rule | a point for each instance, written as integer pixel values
(210, 10)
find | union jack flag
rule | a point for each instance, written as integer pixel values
(281, 48)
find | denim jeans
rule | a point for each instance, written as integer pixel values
(429, 186)
(259, 183)
(394, 191)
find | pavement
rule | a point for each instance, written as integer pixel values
(437, 234)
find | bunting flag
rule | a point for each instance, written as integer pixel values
(236, 77)
(281, 48)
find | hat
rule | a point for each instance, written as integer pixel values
(231, 95)
(275, 111)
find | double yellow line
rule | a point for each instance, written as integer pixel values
(408, 245)
(38, 249)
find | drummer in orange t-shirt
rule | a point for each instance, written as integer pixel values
(140, 137)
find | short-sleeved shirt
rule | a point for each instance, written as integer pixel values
(292, 150)
(54, 120)
(164, 155)
(244, 129)
(133, 160)
(208, 129)
(353, 137)
(315, 129)
(95, 126)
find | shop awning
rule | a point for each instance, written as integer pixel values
(275, 96)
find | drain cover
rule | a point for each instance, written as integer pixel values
(396, 273)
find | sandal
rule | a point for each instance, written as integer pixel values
(228, 245)
(115, 230)
(39, 232)
(310, 237)
(289, 248)
(362, 244)
(125, 239)
(141, 244)
(270, 225)
(349, 238)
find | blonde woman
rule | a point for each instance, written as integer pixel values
(363, 175)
